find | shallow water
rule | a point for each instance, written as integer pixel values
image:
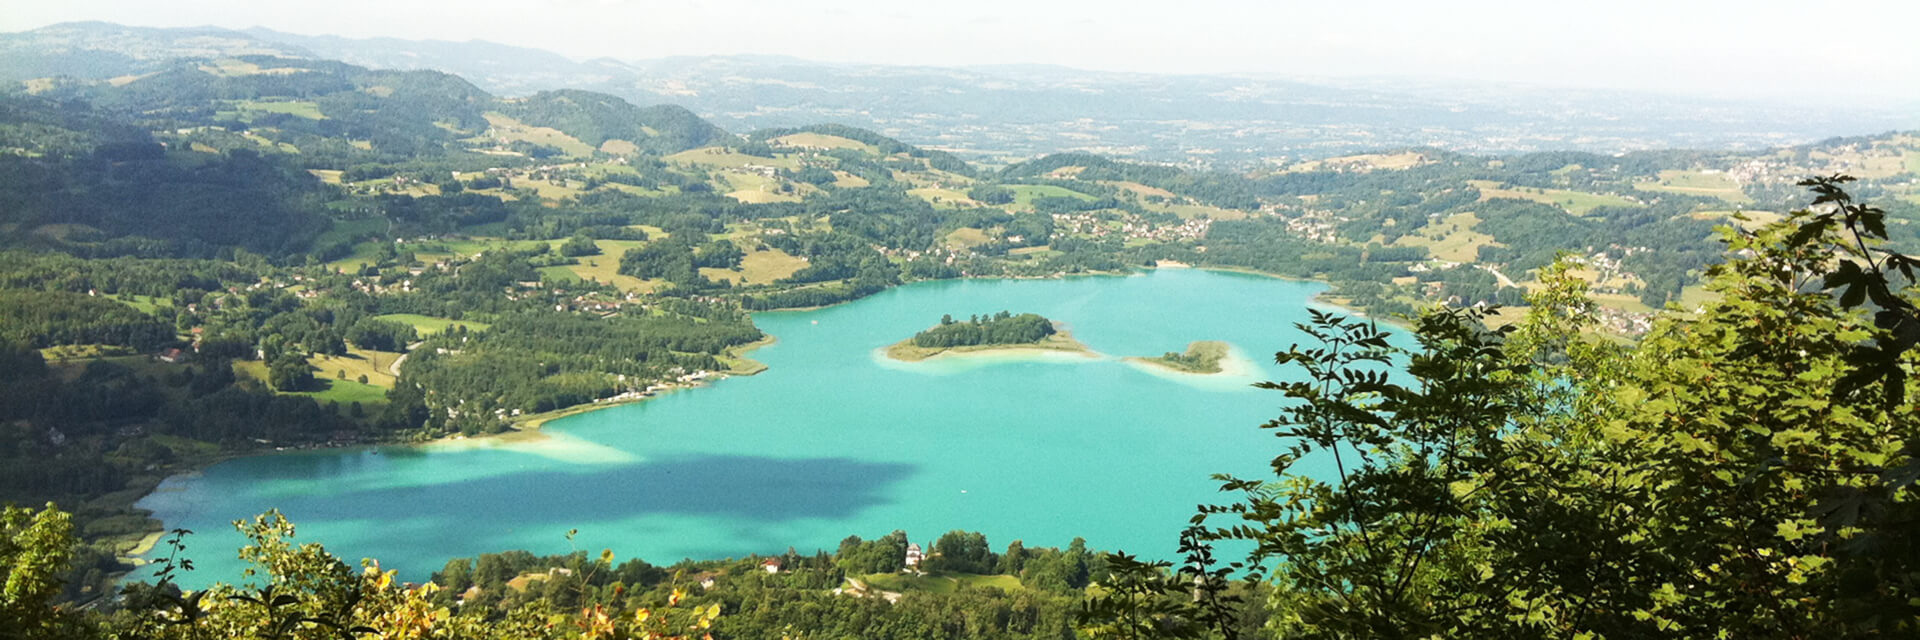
(833, 440)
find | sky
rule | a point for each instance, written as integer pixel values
(1864, 49)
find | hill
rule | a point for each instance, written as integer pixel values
(1009, 112)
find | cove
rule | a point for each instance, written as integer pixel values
(833, 440)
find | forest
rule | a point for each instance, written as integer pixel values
(999, 328)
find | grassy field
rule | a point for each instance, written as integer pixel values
(1755, 219)
(759, 267)
(375, 365)
(1142, 189)
(939, 582)
(968, 237)
(1578, 203)
(146, 304)
(429, 325)
(943, 198)
(345, 392)
(606, 266)
(1452, 239)
(505, 127)
(71, 352)
(1025, 194)
(822, 141)
(753, 188)
(363, 255)
(1698, 183)
(728, 159)
(295, 108)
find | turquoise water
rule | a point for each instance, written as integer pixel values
(833, 440)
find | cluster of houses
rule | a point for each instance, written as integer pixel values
(1129, 226)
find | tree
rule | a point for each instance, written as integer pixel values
(35, 547)
(1745, 472)
(579, 245)
(290, 372)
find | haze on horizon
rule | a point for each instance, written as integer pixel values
(1761, 49)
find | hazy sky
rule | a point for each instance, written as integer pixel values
(1751, 48)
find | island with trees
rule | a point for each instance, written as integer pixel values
(1202, 357)
(1002, 331)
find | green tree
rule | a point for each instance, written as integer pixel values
(1744, 472)
(35, 547)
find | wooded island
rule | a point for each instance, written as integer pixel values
(999, 331)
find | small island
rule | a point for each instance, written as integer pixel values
(1003, 331)
(1202, 357)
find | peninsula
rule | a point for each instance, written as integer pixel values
(996, 332)
(1202, 357)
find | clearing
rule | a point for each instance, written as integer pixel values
(1698, 183)
(429, 325)
(1578, 203)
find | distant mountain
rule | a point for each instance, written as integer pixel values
(399, 110)
(101, 50)
(1005, 113)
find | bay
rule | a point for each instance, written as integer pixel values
(834, 439)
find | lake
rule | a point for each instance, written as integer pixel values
(833, 440)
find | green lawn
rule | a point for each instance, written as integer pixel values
(429, 325)
(345, 392)
(939, 582)
(1025, 194)
(1578, 203)
(1699, 183)
(146, 304)
(245, 110)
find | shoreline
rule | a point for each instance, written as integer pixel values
(1060, 342)
(528, 428)
(525, 429)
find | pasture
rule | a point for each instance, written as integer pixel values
(430, 325)
(1698, 183)
(1578, 203)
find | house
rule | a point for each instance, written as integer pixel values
(172, 355)
(913, 555)
(772, 565)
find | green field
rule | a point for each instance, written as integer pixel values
(939, 582)
(822, 141)
(606, 266)
(146, 304)
(507, 128)
(429, 325)
(729, 159)
(363, 256)
(943, 198)
(375, 365)
(1452, 239)
(759, 267)
(247, 110)
(345, 392)
(1578, 203)
(1698, 183)
(1025, 194)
